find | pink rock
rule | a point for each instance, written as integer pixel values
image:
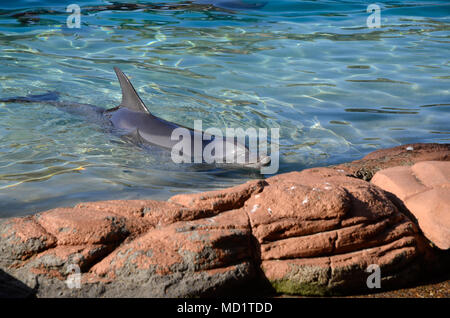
(317, 275)
(317, 228)
(425, 190)
(23, 237)
(87, 226)
(220, 200)
(191, 246)
(400, 181)
(432, 173)
(432, 210)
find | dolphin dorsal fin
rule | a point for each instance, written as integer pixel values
(130, 99)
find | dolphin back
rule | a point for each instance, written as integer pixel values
(130, 99)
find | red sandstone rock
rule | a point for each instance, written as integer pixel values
(221, 200)
(191, 246)
(23, 237)
(319, 275)
(309, 232)
(425, 190)
(432, 173)
(405, 155)
(400, 181)
(87, 226)
(316, 231)
(319, 229)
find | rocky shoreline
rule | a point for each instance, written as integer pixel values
(314, 232)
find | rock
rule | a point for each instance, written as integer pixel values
(13, 288)
(137, 248)
(313, 232)
(221, 200)
(405, 155)
(87, 226)
(186, 258)
(318, 231)
(21, 238)
(425, 190)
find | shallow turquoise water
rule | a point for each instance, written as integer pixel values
(335, 88)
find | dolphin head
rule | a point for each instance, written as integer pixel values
(243, 157)
(262, 161)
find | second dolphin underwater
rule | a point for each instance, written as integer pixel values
(135, 122)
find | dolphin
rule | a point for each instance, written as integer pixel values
(134, 122)
(133, 117)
